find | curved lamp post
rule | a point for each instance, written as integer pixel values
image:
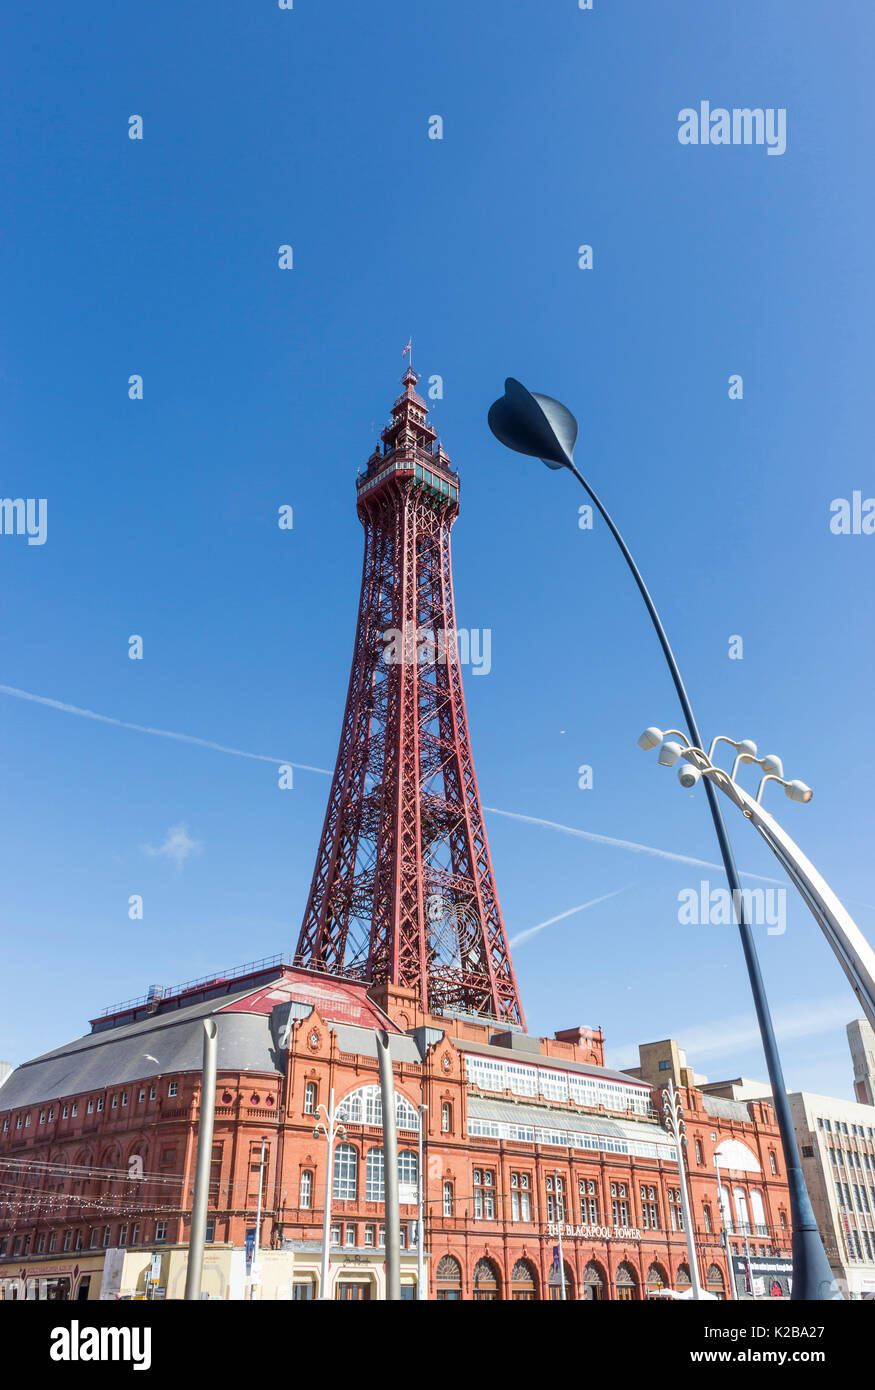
(852, 950)
(542, 427)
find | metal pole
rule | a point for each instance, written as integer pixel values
(420, 1222)
(749, 1270)
(675, 1120)
(390, 1170)
(257, 1219)
(204, 1159)
(544, 428)
(560, 1212)
(725, 1234)
(812, 1276)
(329, 1175)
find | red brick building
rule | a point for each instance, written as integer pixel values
(98, 1142)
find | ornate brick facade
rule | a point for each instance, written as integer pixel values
(518, 1131)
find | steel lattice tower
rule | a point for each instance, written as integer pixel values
(403, 890)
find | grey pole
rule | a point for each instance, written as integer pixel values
(390, 1170)
(560, 1212)
(420, 1220)
(258, 1218)
(674, 1123)
(204, 1160)
(329, 1176)
(538, 425)
(725, 1232)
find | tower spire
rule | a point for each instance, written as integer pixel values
(403, 890)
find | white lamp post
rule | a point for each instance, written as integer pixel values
(331, 1129)
(560, 1213)
(420, 1222)
(725, 1227)
(674, 1122)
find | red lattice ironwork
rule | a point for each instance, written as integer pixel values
(403, 890)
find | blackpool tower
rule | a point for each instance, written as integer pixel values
(403, 891)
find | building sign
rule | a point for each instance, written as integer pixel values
(593, 1232)
(250, 1248)
(761, 1277)
(113, 1264)
(155, 1270)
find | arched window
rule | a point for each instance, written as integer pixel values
(683, 1277)
(375, 1187)
(407, 1174)
(731, 1153)
(627, 1284)
(365, 1107)
(448, 1280)
(485, 1282)
(725, 1208)
(345, 1173)
(657, 1278)
(758, 1210)
(706, 1214)
(715, 1281)
(741, 1210)
(553, 1283)
(522, 1282)
(594, 1282)
(446, 1117)
(310, 1098)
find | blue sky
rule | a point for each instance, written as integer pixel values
(265, 387)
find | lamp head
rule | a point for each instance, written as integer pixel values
(771, 764)
(534, 424)
(688, 775)
(651, 738)
(669, 754)
(747, 747)
(798, 791)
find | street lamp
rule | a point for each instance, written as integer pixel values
(420, 1222)
(726, 1225)
(255, 1276)
(542, 427)
(560, 1222)
(331, 1128)
(849, 945)
(673, 1119)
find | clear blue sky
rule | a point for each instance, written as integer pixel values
(263, 387)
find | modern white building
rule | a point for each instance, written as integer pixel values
(861, 1040)
(837, 1143)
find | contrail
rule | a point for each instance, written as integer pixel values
(621, 844)
(158, 733)
(581, 907)
(630, 845)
